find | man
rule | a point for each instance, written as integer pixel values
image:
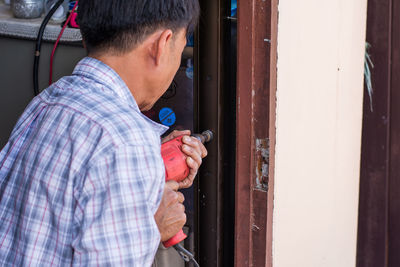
(81, 177)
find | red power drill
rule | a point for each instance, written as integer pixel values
(176, 169)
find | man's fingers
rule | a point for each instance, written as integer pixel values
(200, 146)
(181, 197)
(194, 158)
(193, 168)
(194, 151)
(175, 134)
(183, 217)
(188, 180)
(181, 208)
(173, 185)
(170, 215)
(172, 197)
(192, 174)
(195, 144)
(204, 152)
(193, 164)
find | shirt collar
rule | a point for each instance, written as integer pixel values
(100, 72)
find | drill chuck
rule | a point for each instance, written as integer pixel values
(205, 136)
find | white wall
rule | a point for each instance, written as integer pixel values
(318, 127)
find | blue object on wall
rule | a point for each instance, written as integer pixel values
(167, 116)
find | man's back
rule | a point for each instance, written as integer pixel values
(78, 175)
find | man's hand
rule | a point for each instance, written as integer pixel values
(170, 216)
(195, 152)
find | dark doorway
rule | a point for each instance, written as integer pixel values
(215, 78)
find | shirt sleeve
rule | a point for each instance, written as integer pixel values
(115, 209)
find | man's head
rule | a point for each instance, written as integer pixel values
(120, 25)
(142, 40)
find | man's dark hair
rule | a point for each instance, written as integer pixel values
(119, 25)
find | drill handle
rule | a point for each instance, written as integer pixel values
(180, 236)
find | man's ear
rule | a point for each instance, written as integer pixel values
(161, 45)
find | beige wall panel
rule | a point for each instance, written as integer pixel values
(318, 126)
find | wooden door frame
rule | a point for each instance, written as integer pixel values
(256, 87)
(379, 220)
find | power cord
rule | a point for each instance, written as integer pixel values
(39, 46)
(186, 255)
(58, 40)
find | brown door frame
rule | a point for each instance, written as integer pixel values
(256, 87)
(379, 219)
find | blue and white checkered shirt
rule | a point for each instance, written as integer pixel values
(81, 176)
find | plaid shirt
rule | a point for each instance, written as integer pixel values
(81, 176)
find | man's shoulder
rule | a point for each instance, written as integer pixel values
(122, 123)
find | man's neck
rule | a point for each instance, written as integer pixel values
(131, 71)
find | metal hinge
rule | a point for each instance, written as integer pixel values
(262, 164)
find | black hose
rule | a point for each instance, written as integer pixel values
(39, 44)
